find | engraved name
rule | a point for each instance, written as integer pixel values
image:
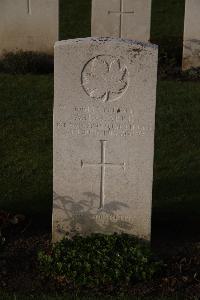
(115, 121)
(106, 218)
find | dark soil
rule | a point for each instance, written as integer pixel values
(178, 245)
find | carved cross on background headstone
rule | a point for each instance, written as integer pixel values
(103, 164)
(29, 7)
(121, 13)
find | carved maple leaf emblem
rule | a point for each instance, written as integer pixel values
(104, 78)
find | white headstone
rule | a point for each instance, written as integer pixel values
(104, 111)
(129, 19)
(28, 25)
(191, 44)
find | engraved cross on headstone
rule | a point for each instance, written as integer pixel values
(121, 13)
(29, 7)
(103, 164)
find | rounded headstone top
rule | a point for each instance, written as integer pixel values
(103, 40)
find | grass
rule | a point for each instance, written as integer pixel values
(167, 23)
(75, 16)
(26, 142)
(177, 148)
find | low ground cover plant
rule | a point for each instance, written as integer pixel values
(98, 261)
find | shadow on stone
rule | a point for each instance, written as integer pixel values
(83, 216)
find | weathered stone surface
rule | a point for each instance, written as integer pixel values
(191, 44)
(28, 25)
(104, 111)
(129, 19)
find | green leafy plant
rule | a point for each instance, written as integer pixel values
(99, 260)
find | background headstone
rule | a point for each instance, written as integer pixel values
(104, 111)
(129, 19)
(191, 44)
(28, 25)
